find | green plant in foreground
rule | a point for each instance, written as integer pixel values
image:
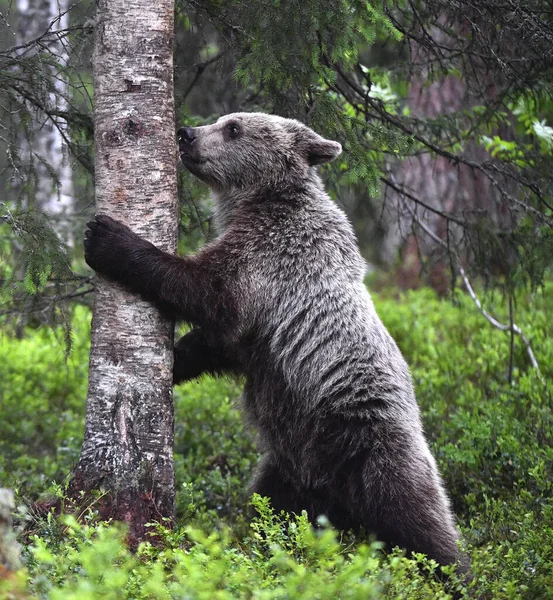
(88, 561)
(493, 441)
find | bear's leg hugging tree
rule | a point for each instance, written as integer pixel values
(279, 297)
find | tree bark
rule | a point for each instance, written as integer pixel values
(128, 442)
(448, 187)
(9, 548)
(44, 148)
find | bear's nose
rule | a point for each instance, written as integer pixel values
(186, 134)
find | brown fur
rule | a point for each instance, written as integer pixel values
(279, 297)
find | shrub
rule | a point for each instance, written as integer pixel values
(42, 405)
(276, 561)
(214, 454)
(493, 441)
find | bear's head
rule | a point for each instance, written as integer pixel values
(253, 150)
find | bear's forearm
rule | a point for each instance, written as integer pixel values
(154, 275)
(181, 287)
(187, 288)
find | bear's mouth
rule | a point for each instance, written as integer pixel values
(190, 159)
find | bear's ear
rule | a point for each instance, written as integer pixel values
(320, 151)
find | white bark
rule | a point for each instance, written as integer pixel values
(128, 445)
(9, 548)
(45, 149)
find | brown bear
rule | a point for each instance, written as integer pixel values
(279, 297)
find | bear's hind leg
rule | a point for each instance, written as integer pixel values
(413, 512)
(397, 494)
(269, 481)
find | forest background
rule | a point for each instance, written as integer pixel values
(445, 112)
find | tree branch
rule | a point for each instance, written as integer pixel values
(512, 327)
(485, 167)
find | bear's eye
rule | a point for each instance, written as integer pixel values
(233, 130)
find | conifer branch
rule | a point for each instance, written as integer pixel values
(512, 327)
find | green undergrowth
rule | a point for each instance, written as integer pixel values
(493, 441)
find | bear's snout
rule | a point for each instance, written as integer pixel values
(187, 134)
(187, 137)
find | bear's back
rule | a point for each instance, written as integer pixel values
(316, 346)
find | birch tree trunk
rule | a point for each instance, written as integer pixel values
(9, 548)
(128, 443)
(44, 148)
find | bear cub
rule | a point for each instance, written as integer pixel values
(279, 297)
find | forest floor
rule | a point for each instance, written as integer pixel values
(493, 441)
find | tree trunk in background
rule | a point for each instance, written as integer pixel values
(434, 179)
(128, 443)
(9, 548)
(448, 187)
(44, 148)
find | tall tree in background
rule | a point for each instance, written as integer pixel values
(128, 444)
(446, 186)
(44, 143)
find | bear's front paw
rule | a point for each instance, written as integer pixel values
(109, 246)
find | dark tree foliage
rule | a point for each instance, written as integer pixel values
(503, 54)
(344, 68)
(443, 108)
(29, 94)
(35, 266)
